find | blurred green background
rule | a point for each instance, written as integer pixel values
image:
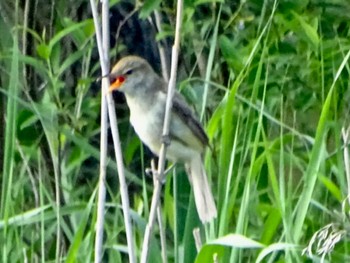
(270, 83)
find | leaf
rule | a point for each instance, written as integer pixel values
(37, 64)
(271, 225)
(309, 32)
(199, 2)
(148, 7)
(317, 157)
(72, 58)
(27, 133)
(25, 218)
(133, 145)
(63, 33)
(26, 118)
(237, 241)
(80, 36)
(77, 242)
(231, 55)
(214, 250)
(210, 252)
(274, 248)
(8, 169)
(332, 187)
(213, 125)
(44, 51)
(164, 34)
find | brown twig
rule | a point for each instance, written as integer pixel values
(121, 24)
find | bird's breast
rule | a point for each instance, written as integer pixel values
(147, 119)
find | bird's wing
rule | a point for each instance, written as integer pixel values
(193, 135)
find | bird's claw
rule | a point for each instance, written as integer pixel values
(158, 178)
(149, 171)
(154, 173)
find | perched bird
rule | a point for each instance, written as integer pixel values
(146, 94)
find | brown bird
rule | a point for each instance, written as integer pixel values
(145, 94)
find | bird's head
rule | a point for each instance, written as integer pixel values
(131, 74)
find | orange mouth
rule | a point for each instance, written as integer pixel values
(116, 83)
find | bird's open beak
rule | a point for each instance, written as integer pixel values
(116, 83)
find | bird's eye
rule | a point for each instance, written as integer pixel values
(129, 72)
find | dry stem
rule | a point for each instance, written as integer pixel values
(108, 103)
(162, 155)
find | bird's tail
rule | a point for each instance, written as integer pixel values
(203, 196)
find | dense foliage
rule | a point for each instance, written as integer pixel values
(270, 82)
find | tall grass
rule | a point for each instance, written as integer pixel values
(8, 174)
(273, 97)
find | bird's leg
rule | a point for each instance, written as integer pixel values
(152, 171)
(149, 171)
(169, 168)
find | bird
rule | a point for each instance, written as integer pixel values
(146, 92)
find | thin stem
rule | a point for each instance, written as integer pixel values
(160, 221)
(162, 55)
(161, 163)
(345, 134)
(103, 148)
(121, 24)
(162, 235)
(210, 63)
(108, 103)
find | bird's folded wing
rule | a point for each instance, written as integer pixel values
(193, 135)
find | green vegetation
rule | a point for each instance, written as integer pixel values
(270, 82)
